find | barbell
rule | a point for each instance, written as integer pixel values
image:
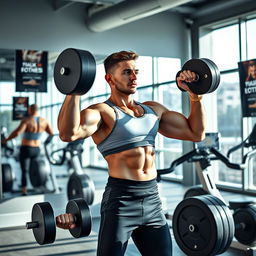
(43, 222)
(75, 70)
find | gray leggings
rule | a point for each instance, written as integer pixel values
(133, 209)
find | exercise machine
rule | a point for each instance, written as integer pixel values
(40, 171)
(249, 143)
(7, 151)
(79, 185)
(203, 223)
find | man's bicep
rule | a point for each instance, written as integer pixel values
(174, 125)
(90, 121)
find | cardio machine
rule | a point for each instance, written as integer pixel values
(203, 223)
(249, 143)
(79, 185)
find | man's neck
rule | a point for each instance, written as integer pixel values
(122, 101)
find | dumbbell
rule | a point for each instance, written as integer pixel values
(208, 75)
(245, 221)
(74, 71)
(44, 225)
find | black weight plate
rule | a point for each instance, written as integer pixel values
(195, 213)
(38, 172)
(247, 216)
(195, 191)
(46, 231)
(220, 220)
(215, 74)
(231, 224)
(88, 72)
(205, 76)
(81, 70)
(238, 203)
(81, 211)
(81, 186)
(7, 177)
(227, 220)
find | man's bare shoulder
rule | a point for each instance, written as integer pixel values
(154, 104)
(27, 119)
(101, 108)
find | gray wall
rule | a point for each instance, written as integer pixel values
(34, 24)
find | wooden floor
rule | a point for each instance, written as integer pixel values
(15, 211)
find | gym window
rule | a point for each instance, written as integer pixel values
(226, 45)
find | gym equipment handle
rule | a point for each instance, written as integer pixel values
(196, 152)
(177, 162)
(225, 160)
(32, 224)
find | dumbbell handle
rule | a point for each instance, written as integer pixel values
(240, 226)
(35, 224)
(64, 71)
(32, 224)
(197, 78)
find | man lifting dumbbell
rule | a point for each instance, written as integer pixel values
(124, 131)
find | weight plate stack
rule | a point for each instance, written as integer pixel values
(81, 186)
(7, 177)
(195, 191)
(199, 226)
(227, 221)
(38, 172)
(245, 223)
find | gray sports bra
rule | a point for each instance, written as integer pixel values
(33, 135)
(130, 132)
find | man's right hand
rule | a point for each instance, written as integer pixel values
(65, 221)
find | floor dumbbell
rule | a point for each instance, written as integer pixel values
(44, 225)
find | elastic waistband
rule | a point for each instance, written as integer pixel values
(131, 183)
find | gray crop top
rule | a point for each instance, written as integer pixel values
(130, 132)
(33, 135)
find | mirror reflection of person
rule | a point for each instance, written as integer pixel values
(31, 127)
(124, 131)
(251, 71)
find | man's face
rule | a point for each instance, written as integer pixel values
(124, 77)
(252, 71)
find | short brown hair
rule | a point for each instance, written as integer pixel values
(117, 57)
(34, 107)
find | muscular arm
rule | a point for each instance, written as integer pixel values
(176, 125)
(73, 124)
(20, 129)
